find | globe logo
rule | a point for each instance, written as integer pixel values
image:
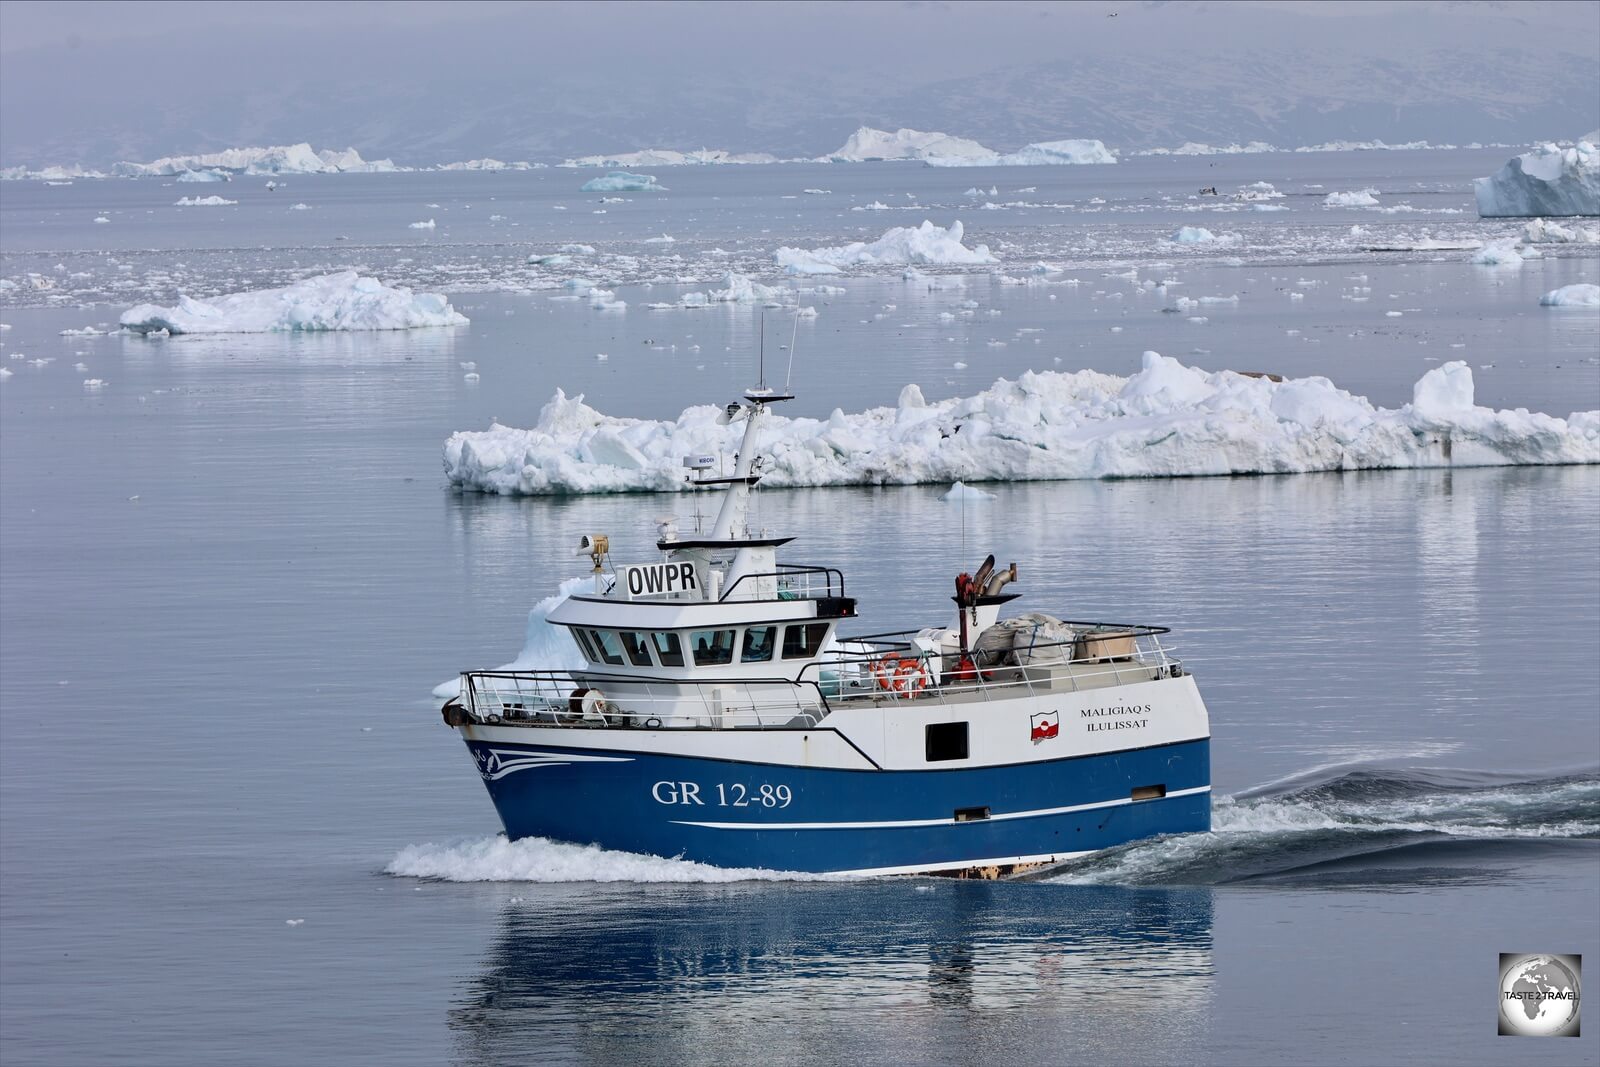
(1539, 995)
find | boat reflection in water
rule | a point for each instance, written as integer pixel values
(912, 971)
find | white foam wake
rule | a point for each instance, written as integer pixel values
(535, 859)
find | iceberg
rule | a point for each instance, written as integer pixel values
(869, 145)
(666, 157)
(277, 159)
(620, 181)
(49, 174)
(1541, 232)
(1167, 420)
(344, 301)
(203, 201)
(1582, 295)
(1550, 180)
(927, 245)
(1502, 253)
(1199, 235)
(1045, 153)
(490, 165)
(1359, 198)
(1197, 148)
(204, 176)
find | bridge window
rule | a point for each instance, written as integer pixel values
(610, 648)
(668, 650)
(758, 642)
(633, 645)
(802, 642)
(584, 646)
(711, 647)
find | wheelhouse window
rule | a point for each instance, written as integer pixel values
(633, 644)
(711, 647)
(584, 646)
(668, 649)
(758, 642)
(802, 642)
(610, 648)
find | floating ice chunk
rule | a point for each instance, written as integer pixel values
(203, 176)
(94, 383)
(668, 157)
(1165, 420)
(1044, 153)
(87, 331)
(664, 239)
(428, 225)
(963, 492)
(816, 192)
(101, 218)
(203, 201)
(1547, 181)
(344, 301)
(741, 290)
(927, 245)
(876, 205)
(1501, 253)
(605, 300)
(1541, 231)
(934, 282)
(299, 207)
(577, 249)
(1199, 235)
(1359, 198)
(621, 181)
(5, 372)
(1582, 295)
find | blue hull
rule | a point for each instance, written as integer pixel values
(735, 814)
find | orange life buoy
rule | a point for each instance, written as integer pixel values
(900, 674)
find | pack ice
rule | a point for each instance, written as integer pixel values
(344, 301)
(1547, 181)
(1167, 420)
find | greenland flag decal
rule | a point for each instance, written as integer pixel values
(1046, 725)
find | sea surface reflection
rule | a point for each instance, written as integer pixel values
(909, 971)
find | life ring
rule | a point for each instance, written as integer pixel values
(900, 674)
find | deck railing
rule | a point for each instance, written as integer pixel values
(854, 671)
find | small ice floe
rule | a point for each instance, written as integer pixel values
(427, 225)
(1394, 314)
(876, 205)
(962, 491)
(5, 372)
(605, 300)
(468, 365)
(1582, 295)
(101, 218)
(1199, 235)
(299, 207)
(94, 383)
(577, 249)
(203, 201)
(1542, 231)
(87, 331)
(293, 922)
(817, 192)
(470, 376)
(1502, 253)
(620, 181)
(1356, 198)
(601, 356)
(924, 245)
(664, 239)
(958, 365)
(80, 367)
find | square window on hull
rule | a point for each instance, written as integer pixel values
(946, 741)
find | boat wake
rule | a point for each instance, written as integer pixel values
(537, 859)
(1366, 827)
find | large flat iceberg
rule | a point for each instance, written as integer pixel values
(275, 159)
(1550, 180)
(344, 301)
(1166, 420)
(1045, 153)
(668, 157)
(927, 245)
(870, 145)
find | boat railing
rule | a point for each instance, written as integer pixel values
(795, 581)
(587, 698)
(1100, 654)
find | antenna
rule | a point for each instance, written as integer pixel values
(761, 367)
(793, 338)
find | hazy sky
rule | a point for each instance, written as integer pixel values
(96, 78)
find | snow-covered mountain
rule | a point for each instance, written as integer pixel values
(552, 82)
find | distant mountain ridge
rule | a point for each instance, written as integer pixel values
(1440, 74)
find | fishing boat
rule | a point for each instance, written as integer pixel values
(719, 717)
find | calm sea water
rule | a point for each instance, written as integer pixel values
(230, 576)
